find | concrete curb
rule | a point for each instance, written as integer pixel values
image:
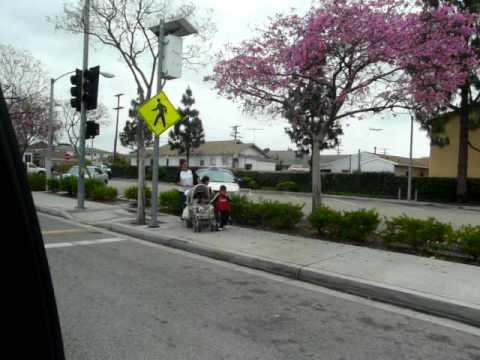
(427, 303)
(54, 212)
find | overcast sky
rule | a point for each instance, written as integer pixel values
(23, 24)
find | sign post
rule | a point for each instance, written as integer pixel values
(159, 114)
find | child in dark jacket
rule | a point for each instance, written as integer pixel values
(222, 207)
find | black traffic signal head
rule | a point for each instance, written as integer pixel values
(93, 129)
(90, 87)
(76, 90)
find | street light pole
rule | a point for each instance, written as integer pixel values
(409, 189)
(118, 108)
(83, 111)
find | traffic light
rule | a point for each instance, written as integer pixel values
(93, 129)
(76, 90)
(90, 87)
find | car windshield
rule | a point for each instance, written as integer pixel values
(217, 175)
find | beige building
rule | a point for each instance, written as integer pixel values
(444, 160)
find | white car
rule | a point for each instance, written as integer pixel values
(34, 169)
(93, 172)
(219, 177)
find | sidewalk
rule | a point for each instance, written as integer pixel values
(434, 286)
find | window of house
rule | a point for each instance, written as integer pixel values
(202, 162)
(248, 166)
(168, 162)
(213, 161)
(28, 158)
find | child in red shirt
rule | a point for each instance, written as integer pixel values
(222, 206)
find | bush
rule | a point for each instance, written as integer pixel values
(416, 232)
(69, 184)
(171, 202)
(279, 215)
(270, 214)
(287, 186)
(326, 221)
(468, 240)
(131, 193)
(358, 225)
(92, 185)
(37, 182)
(103, 193)
(244, 212)
(53, 185)
(249, 183)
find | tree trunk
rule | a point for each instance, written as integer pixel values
(462, 169)
(316, 176)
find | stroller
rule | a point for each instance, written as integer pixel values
(200, 213)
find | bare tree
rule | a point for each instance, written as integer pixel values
(124, 25)
(24, 83)
(70, 121)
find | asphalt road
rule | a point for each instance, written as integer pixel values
(128, 299)
(453, 215)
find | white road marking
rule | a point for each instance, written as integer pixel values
(83, 243)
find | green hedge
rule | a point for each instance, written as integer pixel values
(171, 202)
(349, 225)
(267, 213)
(418, 233)
(37, 182)
(131, 193)
(54, 185)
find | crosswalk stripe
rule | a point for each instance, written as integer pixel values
(83, 243)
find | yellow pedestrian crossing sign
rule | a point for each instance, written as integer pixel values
(158, 113)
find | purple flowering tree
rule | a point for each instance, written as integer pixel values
(344, 59)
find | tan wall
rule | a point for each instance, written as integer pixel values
(443, 161)
(416, 172)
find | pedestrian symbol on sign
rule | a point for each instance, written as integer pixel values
(162, 110)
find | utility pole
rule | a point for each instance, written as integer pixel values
(118, 108)
(410, 163)
(83, 110)
(236, 132)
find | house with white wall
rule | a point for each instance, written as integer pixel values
(371, 162)
(228, 154)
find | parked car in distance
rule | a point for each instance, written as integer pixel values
(106, 169)
(219, 177)
(93, 172)
(299, 168)
(34, 169)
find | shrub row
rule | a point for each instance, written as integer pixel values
(349, 225)
(429, 234)
(270, 214)
(171, 202)
(131, 193)
(94, 189)
(37, 182)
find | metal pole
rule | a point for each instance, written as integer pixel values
(409, 190)
(154, 201)
(48, 159)
(118, 108)
(83, 112)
